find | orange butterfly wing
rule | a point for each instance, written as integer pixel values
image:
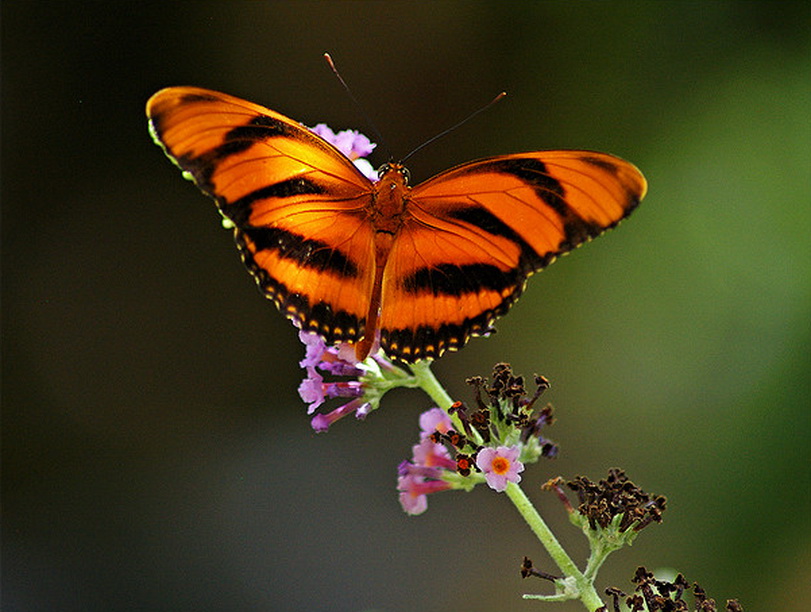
(475, 233)
(298, 206)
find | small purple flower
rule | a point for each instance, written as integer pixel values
(433, 420)
(356, 144)
(351, 143)
(500, 465)
(366, 169)
(364, 383)
(325, 132)
(424, 474)
(430, 454)
(414, 491)
(312, 390)
(338, 360)
(321, 422)
(314, 346)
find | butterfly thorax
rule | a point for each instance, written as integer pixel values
(387, 212)
(388, 204)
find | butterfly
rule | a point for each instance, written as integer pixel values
(425, 267)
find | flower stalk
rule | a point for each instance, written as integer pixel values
(575, 585)
(583, 587)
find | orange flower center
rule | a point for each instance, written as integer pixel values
(501, 465)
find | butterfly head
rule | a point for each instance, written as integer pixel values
(390, 167)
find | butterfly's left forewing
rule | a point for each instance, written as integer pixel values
(475, 233)
(296, 203)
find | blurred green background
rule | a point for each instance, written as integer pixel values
(155, 453)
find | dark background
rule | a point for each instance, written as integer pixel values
(155, 453)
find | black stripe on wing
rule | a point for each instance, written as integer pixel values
(319, 317)
(304, 252)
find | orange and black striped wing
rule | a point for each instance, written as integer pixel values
(298, 205)
(475, 233)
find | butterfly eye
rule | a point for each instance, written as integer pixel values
(402, 170)
(382, 170)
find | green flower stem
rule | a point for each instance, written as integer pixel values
(429, 383)
(587, 594)
(599, 553)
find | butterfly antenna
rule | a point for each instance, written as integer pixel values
(358, 107)
(453, 127)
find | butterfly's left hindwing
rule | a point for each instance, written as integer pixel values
(475, 233)
(297, 204)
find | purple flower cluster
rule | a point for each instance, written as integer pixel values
(491, 443)
(351, 143)
(432, 469)
(430, 462)
(337, 361)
